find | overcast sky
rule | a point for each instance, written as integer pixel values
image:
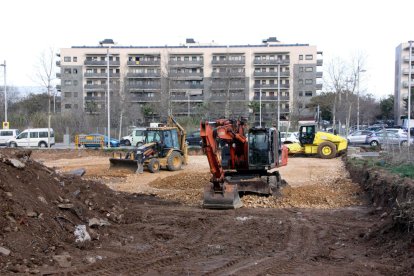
(338, 28)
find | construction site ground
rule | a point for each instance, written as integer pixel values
(153, 224)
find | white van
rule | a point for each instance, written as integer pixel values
(6, 134)
(32, 137)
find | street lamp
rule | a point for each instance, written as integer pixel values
(107, 43)
(278, 95)
(409, 92)
(260, 107)
(5, 92)
(359, 71)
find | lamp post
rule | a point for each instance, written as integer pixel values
(359, 71)
(107, 43)
(5, 92)
(409, 93)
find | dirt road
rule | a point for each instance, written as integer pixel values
(320, 225)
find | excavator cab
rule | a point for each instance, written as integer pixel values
(265, 149)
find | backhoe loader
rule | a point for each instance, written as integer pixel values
(163, 147)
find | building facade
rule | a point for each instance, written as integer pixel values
(402, 70)
(213, 80)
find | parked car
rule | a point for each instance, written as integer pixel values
(94, 137)
(32, 137)
(6, 134)
(395, 130)
(289, 137)
(388, 138)
(194, 139)
(358, 137)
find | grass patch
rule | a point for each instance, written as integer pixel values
(404, 170)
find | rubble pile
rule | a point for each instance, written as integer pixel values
(41, 209)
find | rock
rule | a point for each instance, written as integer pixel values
(79, 172)
(81, 234)
(94, 222)
(383, 215)
(31, 214)
(9, 194)
(63, 260)
(4, 251)
(66, 206)
(17, 164)
(42, 199)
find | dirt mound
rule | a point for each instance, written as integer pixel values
(41, 209)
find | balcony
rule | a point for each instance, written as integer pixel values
(228, 62)
(187, 86)
(228, 74)
(142, 86)
(271, 61)
(319, 62)
(186, 75)
(58, 63)
(58, 75)
(144, 63)
(94, 99)
(144, 75)
(406, 71)
(193, 63)
(231, 86)
(407, 58)
(136, 97)
(197, 98)
(233, 97)
(271, 86)
(101, 75)
(58, 87)
(319, 74)
(271, 74)
(101, 63)
(101, 86)
(318, 86)
(270, 98)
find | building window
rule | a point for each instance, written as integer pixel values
(301, 69)
(300, 57)
(300, 93)
(309, 69)
(68, 82)
(75, 71)
(75, 59)
(308, 81)
(68, 94)
(67, 71)
(68, 106)
(309, 57)
(300, 81)
(67, 59)
(75, 82)
(308, 93)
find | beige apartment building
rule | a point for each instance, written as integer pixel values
(194, 79)
(402, 70)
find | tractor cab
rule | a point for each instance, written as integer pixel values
(307, 134)
(166, 138)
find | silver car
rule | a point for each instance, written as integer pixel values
(358, 137)
(387, 138)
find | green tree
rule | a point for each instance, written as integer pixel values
(387, 108)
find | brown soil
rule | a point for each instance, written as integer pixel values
(319, 225)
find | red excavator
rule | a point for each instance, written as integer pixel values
(241, 159)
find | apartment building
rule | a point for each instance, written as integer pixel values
(402, 70)
(193, 78)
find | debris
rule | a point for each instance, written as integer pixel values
(243, 218)
(81, 234)
(17, 164)
(31, 214)
(79, 172)
(383, 215)
(63, 260)
(42, 199)
(66, 206)
(93, 222)
(4, 251)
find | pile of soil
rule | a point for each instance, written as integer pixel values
(40, 210)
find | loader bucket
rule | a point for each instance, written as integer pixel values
(228, 198)
(126, 162)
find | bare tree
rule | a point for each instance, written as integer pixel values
(45, 72)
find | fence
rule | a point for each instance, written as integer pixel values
(89, 141)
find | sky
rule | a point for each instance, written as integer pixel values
(341, 29)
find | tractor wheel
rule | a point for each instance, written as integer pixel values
(174, 161)
(154, 165)
(327, 150)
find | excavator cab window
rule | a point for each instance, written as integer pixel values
(153, 136)
(258, 148)
(307, 134)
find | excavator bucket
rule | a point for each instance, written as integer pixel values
(228, 198)
(119, 161)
